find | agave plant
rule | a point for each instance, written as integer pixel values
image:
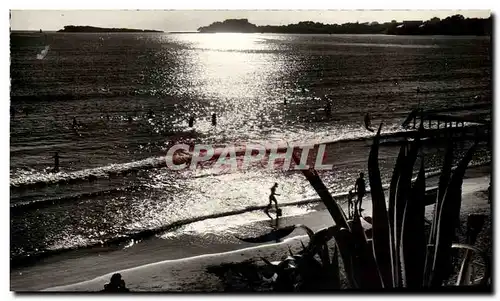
(405, 255)
(399, 252)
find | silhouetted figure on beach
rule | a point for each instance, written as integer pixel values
(272, 199)
(214, 119)
(350, 204)
(130, 119)
(151, 114)
(75, 123)
(328, 108)
(360, 190)
(116, 284)
(285, 101)
(56, 162)
(107, 116)
(191, 121)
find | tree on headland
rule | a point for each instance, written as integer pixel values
(230, 25)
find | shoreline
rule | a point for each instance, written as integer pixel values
(121, 242)
(73, 271)
(246, 33)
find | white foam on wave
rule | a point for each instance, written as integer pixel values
(231, 223)
(31, 177)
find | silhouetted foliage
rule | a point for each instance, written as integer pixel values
(453, 25)
(73, 28)
(230, 25)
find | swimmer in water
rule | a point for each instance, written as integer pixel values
(214, 119)
(56, 162)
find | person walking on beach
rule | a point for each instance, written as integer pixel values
(360, 189)
(272, 199)
(56, 162)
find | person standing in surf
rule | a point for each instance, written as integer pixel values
(328, 107)
(214, 119)
(272, 199)
(360, 190)
(191, 121)
(56, 162)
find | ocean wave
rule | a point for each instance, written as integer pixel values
(20, 207)
(38, 179)
(125, 238)
(47, 178)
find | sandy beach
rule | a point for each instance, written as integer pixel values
(183, 263)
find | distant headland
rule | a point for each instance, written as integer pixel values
(453, 25)
(73, 28)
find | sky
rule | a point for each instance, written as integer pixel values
(190, 20)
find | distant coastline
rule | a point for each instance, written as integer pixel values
(453, 25)
(72, 28)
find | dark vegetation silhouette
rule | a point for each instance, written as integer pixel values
(399, 251)
(453, 25)
(116, 285)
(73, 28)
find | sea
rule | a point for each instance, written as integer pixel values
(131, 96)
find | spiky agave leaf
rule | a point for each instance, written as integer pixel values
(447, 221)
(345, 244)
(400, 161)
(486, 259)
(335, 269)
(380, 222)
(394, 180)
(403, 186)
(444, 179)
(413, 244)
(333, 207)
(324, 254)
(308, 230)
(303, 246)
(365, 268)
